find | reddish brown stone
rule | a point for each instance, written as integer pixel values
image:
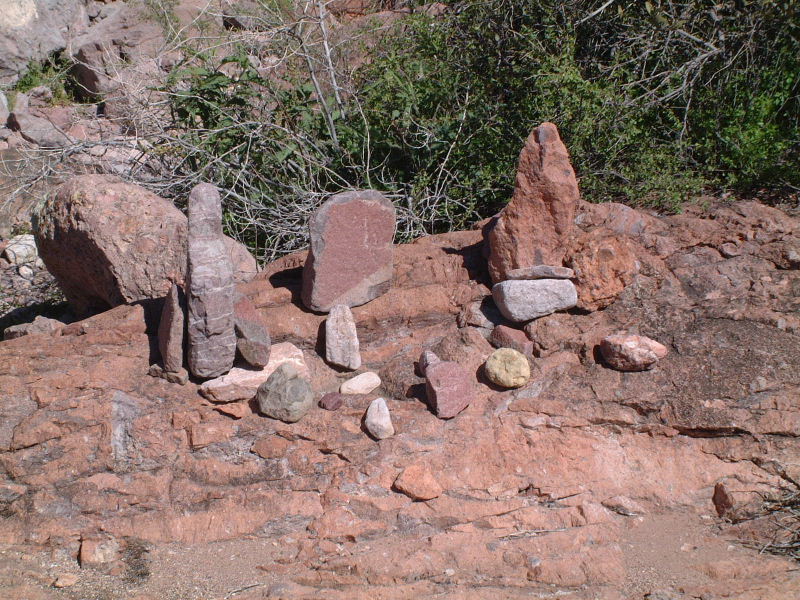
(171, 329)
(723, 502)
(203, 434)
(532, 228)
(418, 483)
(332, 401)
(350, 260)
(449, 389)
(504, 336)
(252, 337)
(605, 264)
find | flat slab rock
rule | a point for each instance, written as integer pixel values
(541, 272)
(350, 260)
(522, 300)
(242, 384)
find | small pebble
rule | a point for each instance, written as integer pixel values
(332, 401)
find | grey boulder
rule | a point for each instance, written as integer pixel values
(522, 300)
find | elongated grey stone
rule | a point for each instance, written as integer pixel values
(210, 289)
(341, 338)
(522, 300)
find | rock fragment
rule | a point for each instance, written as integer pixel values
(21, 250)
(341, 338)
(631, 352)
(210, 289)
(378, 420)
(286, 395)
(242, 384)
(171, 328)
(361, 384)
(38, 326)
(179, 376)
(504, 336)
(252, 338)
(350, 260)
(541, 272)
(522, 300)
(532, 228)
(449, 389)
(507, 368)
(332, 401)
(426, 359)
(418, 483)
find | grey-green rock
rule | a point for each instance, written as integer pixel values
(286, 395)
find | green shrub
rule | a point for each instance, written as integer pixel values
(655, 100)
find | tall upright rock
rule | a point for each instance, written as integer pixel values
(210, 291)
(350, 261)
(534, 227)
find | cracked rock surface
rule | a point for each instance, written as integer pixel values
(585, 483)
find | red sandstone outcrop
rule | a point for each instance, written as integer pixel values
(586, 482)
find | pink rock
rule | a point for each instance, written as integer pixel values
(631, 352)
(532, 228)
(252, 338)
(449, 389)
(209, 287)
(504, 336)
(242, 384)
(170, 329)
(350, 261)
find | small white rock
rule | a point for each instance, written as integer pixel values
(361, 384)
(378, 420)
(341, 338)
(22, 250)
(25, 272)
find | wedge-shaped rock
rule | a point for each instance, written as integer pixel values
(522, 300)
(350, 260)
(533, 227)
(252, 337)
(170, 330)
(242, 384)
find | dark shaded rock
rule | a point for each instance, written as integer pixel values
(171, 329)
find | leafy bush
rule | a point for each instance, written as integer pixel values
(654, 100)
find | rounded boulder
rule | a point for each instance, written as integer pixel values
(507, 368)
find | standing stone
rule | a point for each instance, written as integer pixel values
(252, 338)
(210, 288)
(449, 389)
(285, 395)
(170, 329)
(522, 300)
(350, 260)
(532, 228)
(341, 338)
(378, 421)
